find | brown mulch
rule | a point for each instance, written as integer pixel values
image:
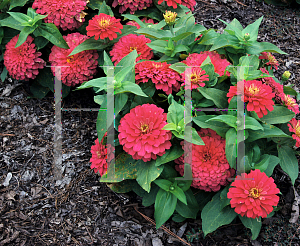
(36, 210)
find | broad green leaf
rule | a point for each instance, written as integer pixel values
(274, 160)
(179, 67)
(150, 197)
(231, 147)
(98, 83)
(213, 216)
(40, 42)
(136, 19)
(153, 33)
(121, 187)
(169, 172)
(227, 119)
(46, 78)
(171, 154)
(158, 45)
(95, 4)
(289, 91)
(1, 34)
(263, 163)
(50, 32)
(17, 3)
(184, 184)
(89, 44)
(236, 31)
(107, 62)
(175, 113)
(226, 41)
(182, 36)
(38, 90)
(253, 224)
(101, 120)
(99, 99)
(170, 126)
(4, 74)
(253, 124)
(165, 205)
(105, 9)
(196, 139)
(120, 101)
(163, 183)
(252, 29)
(209, 37)
(179, 48)
(259, 47)
(127, 61)
(23, 35)
(130, 87)
(217, 96)
(120, 76)
(280, 114)
(178, 192)
(147, 172)
(12, 23)
(20, 17)
(288, 161)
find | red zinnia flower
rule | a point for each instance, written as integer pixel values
(220, 64)
(254, 194)
(67, 14)
(291, 104)
(198, 76)
(22, 63)
(129, 43)
(75, 69)
(294, 126)
(100, 156)
(210, 168)
(133, 23)
(188, 3)
(133, 5)
(141, 132)
(271, 59)
(161, 75)
(104, 26)
(259, 96)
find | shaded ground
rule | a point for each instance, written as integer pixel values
(34, 210)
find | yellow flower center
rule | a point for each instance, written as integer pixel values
(103, 23)
(144, 127)
(98, 154)
(253, 89)
(70, 59)
(297, 129)
(132, 48)
(157, 65)
(255, 192)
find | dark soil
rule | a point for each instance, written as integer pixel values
(36, 210)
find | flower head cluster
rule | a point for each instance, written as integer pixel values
(210, 168)
(271, 59)
(129, 43)
(133, 23)
(162, 76)
(253, 194)
(141, 132)
(188, 3)
(291, 104)
(133, 5)
(100, 155)
(67, 14)
(170, 17)
(198, 77)
(77, 68)
(294, 126)
(23, 62)
(258, 95)
(104, 26)
(220, 64)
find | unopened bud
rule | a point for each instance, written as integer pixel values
(170, 17)
(285, 76)
(247, 36)
(178, 128)
(183, 56)
(172, 187)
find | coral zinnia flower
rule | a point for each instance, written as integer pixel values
(67, 14)
(198, 76)
(133, 23)
(294, 127)
(210, 168)
(220, 64)
(254, 194)
(104, 26)
(141, 132)
(22, 63)
(271, 59)
(259, 96)
(75, 69)
(172, 3)
(188, 3)
(133, 5)
(161, 75)
(129, 43)
(100, 156)
(291, 104)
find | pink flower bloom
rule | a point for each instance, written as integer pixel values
(188, 3)
(210, 168)
(141, 132)
(77, 68)
(271, 59)
(67, 14)
(161, 75)
(291, 104)
(294, 126)
(253, 195)
(198, 77)
(104, 26)
(129, 43)
(133, 5)
(22, 63)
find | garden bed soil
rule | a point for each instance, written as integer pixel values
(36, 210)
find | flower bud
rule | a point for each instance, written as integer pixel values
(170, 17)
(285, 76)
(178, 128)
(183, 56)
(247, 36)
(30, 21)
(171, 187)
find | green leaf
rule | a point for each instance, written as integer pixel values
(4, 3)
(196, 139)
(231, 147)
(259, 47)
(65, 90)
(170, 126)
(233, 30)
(288, 161)
(23, 35)
(101, 121)
(50, 32)
(289, 91)
(191, 209)
(17, 3)
(107, 62)
(269, 131)
(46, 78)
(178, 192)
(252, 29)
(165, 205)
(175, 113)
(263, 163)
(38, 90)
(12, 23)
(217, 96)
(150, 197)
(213, 216)
(209, 37)
(171, 154)
(120, 76)
(98, 83)
(89, 44)
(158, 45)
(184, 184)
(226, 41)
(163, 183)
(95, 4)
(40, 42)
(179, 48)
(253, 224)
(127, 61)
(147, 172)
(4, 74)
(253, 124)
(153, 33)
(179, 67)
(136, 19)
(1, 34)
(274, 160)
(20, 17)
(280, 114)
(120, 101)
(130, 87)
(227, 119)
(121, 187)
